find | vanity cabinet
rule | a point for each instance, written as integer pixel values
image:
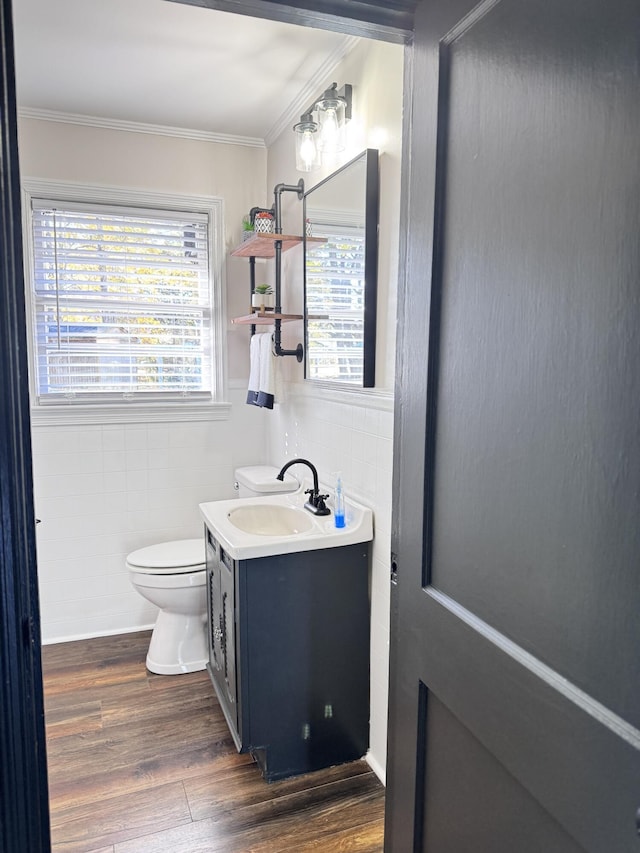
(289, 654)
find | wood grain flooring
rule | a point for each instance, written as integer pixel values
(143, 763)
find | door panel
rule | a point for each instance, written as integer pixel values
(580, 762)
(479, 806)
(514, 666)
(537, 468)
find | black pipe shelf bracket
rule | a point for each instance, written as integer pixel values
(272, 246)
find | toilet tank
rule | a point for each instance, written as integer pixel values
(260, 480)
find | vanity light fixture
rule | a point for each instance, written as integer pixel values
(320, 133)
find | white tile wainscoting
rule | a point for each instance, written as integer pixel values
(103, 491)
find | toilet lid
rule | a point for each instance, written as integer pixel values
(179, 554)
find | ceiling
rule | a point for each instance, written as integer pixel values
(169, 64)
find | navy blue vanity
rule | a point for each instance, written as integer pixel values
(289, 654)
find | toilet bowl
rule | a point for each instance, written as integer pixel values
(172, 576)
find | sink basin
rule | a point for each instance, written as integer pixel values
(279, 524)
(271, 520)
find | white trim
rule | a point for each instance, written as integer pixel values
(213, 207)
(140, 127)
(311, 90)
(141, 413)
(329, 219)
(131, 196)
(114, 632)
(377, 768)
(369, 398)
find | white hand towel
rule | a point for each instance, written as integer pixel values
(254, 370)
(266, 388)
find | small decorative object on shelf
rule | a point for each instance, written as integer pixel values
(247, 228)
(263, 297)
(263, 223)
(308, 228)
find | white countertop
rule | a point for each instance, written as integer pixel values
(322, 533)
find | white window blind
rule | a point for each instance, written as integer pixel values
(335, 304)
(122, 303)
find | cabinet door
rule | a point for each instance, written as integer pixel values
(227, 602)
(214, 601)
(222, 634)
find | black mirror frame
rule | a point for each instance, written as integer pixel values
(372, 196)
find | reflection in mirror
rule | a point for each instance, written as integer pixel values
(341, 274)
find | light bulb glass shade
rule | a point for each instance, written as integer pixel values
(332, 125)
(307, 154)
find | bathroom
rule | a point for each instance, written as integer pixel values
(514, 632)
(106, 487)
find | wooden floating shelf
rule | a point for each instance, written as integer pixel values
(263, 245)
(266, 319)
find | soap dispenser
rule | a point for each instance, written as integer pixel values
(338, 508)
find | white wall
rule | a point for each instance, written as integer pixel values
(105, 490)
(339, 430)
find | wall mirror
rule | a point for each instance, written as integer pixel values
(340, 274)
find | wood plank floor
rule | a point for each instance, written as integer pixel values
(142, 763)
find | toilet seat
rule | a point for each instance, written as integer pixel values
(181, 556)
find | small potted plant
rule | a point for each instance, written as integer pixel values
(263, 297)
(247, 228)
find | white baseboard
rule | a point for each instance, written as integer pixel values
(93, 634)
(377, 768)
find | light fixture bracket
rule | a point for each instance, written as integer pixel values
(333, 97)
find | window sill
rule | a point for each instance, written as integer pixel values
(133, 413)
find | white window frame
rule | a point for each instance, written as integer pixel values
(133, 411)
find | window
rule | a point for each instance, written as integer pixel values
(122, 304)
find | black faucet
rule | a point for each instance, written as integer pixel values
(316, 503)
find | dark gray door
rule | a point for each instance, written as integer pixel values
(24, 814)
(515, 673)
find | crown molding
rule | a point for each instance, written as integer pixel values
(306, 95)
(140, 127)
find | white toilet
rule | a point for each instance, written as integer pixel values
(172, 575)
